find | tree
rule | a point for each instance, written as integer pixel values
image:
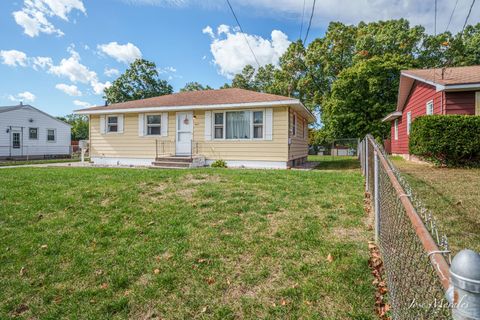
(79, 125)
(195, 86)
(139, 81)
(362, 95)
(246, 79)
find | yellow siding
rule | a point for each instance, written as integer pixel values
(299, 141)
(130, 145)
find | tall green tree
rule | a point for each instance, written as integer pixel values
(79, 125)
(141, 80)
(362, 95)
(195, 86)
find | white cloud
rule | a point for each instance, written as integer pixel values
(208, 30)
(34, 15)
(41, 62)
(25, 96)
(231, 52)
(81, 103)
(166, 70)
(71, 90)
(223, 28)
(125, 53)
(13, 58)
(75, 71)
(111, 72)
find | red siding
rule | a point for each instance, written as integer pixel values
(460, 102)
(416, 104)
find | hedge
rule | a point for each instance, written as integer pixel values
(452, 140)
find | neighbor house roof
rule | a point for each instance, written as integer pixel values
(200, 100)
(27, 106)
(443, 79)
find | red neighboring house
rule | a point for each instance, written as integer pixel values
(432, 91)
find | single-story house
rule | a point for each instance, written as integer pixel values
(26, 132)
(432, 91)
(242, 127)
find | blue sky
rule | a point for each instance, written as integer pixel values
(83, 44)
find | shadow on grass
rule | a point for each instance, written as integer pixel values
(335, 163)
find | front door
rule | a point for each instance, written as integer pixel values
(184, 133)
(16, 146)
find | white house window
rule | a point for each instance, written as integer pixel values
(238, 125)
(409, 121)
(33, 133)
(395, 129)
(294, 125)
(218, 126)
(112, 124)
(429, 110)
(154, 125)
(258, 124)
(51, 135)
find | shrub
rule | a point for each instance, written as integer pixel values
(219, 164)
(452, 140)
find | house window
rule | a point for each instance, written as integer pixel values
(395, 129)
(218, 126)
(294, 124)
(16, 140)
(33, 133)
(429, 110)
(112, 124)
(238, 125)
(409, 121)
(258, 124)
(154, 125)
(51, 135)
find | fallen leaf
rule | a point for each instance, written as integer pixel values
(43, 246)
(330, 258)
(23, 271)
(104, 285)
(204, 309)
(283, 302)
(210, 280)
(156, 271)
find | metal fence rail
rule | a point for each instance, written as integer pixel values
(415, 253)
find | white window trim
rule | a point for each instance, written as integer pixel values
(107, 131)
(395, 129)
(294, 125)
(409, 121)
(145, 124)
(54, 135)
(427, 105)
(29, 133)
(225, 125)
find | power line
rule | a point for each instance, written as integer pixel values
(468, 15)
(435, 23)
(310, 22)
(301, 26)
(451, 16)
(244, 35)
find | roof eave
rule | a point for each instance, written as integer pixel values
(392, 116)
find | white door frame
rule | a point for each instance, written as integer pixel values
(16, 151)
(183, 148)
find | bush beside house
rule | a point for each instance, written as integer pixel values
(452, 140)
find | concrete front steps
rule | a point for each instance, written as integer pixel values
(172, 162)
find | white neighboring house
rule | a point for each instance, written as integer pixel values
(26, 132)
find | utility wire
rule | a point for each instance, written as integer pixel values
(468, 16)
(310, 22)
(451, 16)
(435, 23)
(301, 26)
(244, 35)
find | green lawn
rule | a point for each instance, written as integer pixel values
(98, 243)
(453, 195)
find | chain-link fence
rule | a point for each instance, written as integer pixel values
(415, 254)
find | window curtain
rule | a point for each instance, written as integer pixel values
(238, 125)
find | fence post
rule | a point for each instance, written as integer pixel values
(366, 165)
(376, 186)
(465, 278)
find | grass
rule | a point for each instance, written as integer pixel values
(27, 162)
(453, 195)
(336, 162)
(174, 244)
